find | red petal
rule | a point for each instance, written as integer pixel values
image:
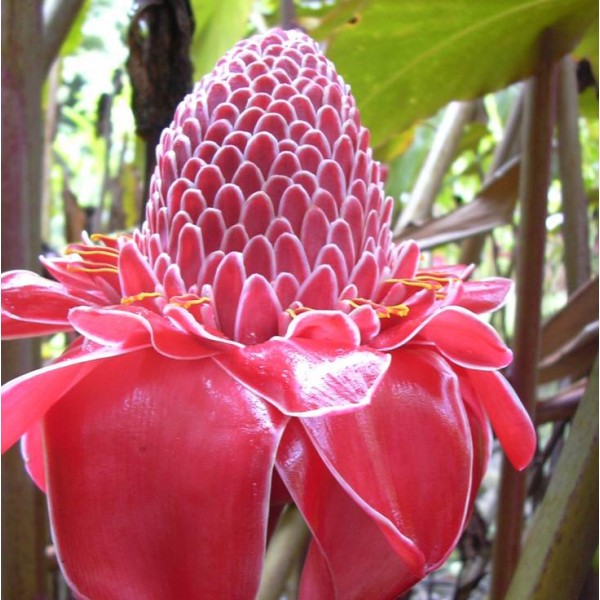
(481, 432)
(135, 273)
(290, 257)
(229, 280)
(33, 305)
(350, 558)
(110, 327)
(509, 418)
(484, 295)
(22, 407)
(407, 457)
(305, 376)
(137, 328)
(159, 478)
(320, 290)
(32, 449)
(314, 233)
(257, 313)
(407, 260)
(326, 325)
(467, 341)
(257, 214)
(14, 329)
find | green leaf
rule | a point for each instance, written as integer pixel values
(588, 48)
(405, 59)
(74, 38)
(563, 535)
(219, 25)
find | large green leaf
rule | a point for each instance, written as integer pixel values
(219, 25)
(405, 59)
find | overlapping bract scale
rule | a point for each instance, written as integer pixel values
(267, 158)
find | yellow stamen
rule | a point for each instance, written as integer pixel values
(383, 312)
(436, 278)
(188, 303)
(400, 310)
(102, 251)
(415, 283)
(294, 312)
(107, 269)
(138, 297)
(425, 281)
(100, 237)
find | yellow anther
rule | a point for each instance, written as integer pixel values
(383, 312)
(400, 310)
(138, 297)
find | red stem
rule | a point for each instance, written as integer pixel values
(535, 178)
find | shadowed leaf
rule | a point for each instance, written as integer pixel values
(492, 206)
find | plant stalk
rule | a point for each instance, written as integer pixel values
(437, 163)
(23, 527)
(537, 130)
(287, 546)
(575, 226)
(59, 16)
(508, 147)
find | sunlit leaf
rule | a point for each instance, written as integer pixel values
(405, 59)
(588, 48)
(219, 25)
(74, 38)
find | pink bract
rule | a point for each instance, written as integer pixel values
(259, 340)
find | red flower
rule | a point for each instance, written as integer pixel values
(259, 340)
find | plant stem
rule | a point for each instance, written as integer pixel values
(23, 530)
(59, 16)
(535, 178)
(575, 227)
(438, 161)
(286, 547)
(471, 248)
(50, 125)
(288, 14)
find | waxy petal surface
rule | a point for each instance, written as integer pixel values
(135, 454)
(26, 399)
(13, 329)
(33, 305)
(484, 295)
(32, 450)
(407, 449)
(125, 328)
(306, 377)
(350, 557)
(467, 341)
(509, 419)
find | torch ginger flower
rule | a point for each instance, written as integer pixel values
(260, 340)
